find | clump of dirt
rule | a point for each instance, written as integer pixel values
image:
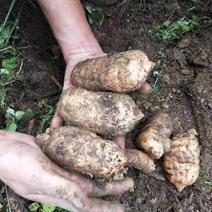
(183, 88)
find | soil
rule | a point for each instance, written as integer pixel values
(183, 89)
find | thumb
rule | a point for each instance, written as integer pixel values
(113, 188)
(120, 140)
(96, 205)
(145, 88)
(56, 121)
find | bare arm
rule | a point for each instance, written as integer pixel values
(70, 27)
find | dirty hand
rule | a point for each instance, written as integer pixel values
(73, 60)
(25, 169)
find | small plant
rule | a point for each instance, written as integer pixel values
(162, 54)
(7, 72)
(35, 206)
(13, 117)
(157, 87)
(171, 31)
(8, 53)
(47, 117)
(95, 16)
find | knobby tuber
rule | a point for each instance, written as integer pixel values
(182, 162)
(83, 151)
(155, 136)
(105, 113)
(121, 72)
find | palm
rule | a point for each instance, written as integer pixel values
(32, 175)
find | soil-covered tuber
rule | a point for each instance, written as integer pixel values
(82, 151)
(121, 72)
(155, 136)
(105, 113)
(182, 162)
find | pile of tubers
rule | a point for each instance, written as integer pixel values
(99, 108)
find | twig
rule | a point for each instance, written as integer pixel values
(56, 82)
(156, 81)
(30, 127)
(20, 68)
(122, 11)
(158, 176)
(5, 49)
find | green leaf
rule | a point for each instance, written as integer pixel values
(90, 20)
(4, 71)
(19, 115)
(1, 206)
(12, 127)
(48, 208)
(34, 206)
(10, 113)
(29, 113)
(9, 64)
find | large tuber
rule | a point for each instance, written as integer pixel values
(121, 72)
(82, 151)
(182, 162)
(105, 113)
(155, 136)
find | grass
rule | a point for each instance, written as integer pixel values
(8, 53)
(10, 69)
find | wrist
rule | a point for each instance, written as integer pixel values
(81, 53)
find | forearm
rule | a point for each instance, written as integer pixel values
(71, 29)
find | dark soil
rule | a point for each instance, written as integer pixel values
(184, 87)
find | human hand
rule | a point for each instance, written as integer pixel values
(73, 60)
(25, 169)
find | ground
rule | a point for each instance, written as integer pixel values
(182, 83)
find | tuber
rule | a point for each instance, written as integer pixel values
(155, 136)
(182, 162)
(121, 72)
(82, 151)
(105, 113)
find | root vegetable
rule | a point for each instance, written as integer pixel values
(105, 113)
(155, 136)
(121, 72)
(83, 151)
(80, 150)
(182, 162)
